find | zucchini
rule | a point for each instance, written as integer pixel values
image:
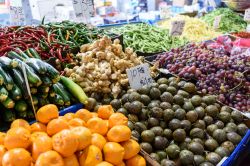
(34, 53)
(35, 100)
(8, 82)
(3, 94)
(74, 89)
(33, 91)
(46, 81)
(18, 50)
(30, 114)
(37, 65)
(52, 93)
(8, 63)
(19, 80)
(58, 100)
(22, 115)
(13, 54)
(8, 103)
(31, 76)
(16, 93)
(52, 73)
(44, 96)
(9, 115)
(62, 93)
(21, 106)
(43, 101)
(1, 80)
(44, 89)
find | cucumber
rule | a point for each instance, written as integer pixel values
(44, 89)
(43, 101)
(60, 91)
(52, 73)
(21, 106)
(16, 93)
(33, 91)
(22, 115)
(13, 54)
(30, 114)
(20, 52)
(19, 80)
(46, 81)
(37, 65)
(8, 63)
(1, 80)
(8, 103)
(44, 95)
(9, 115)
(35, 100)
(8, 82)
(74, 89)
(3, 94)
(52, 93)
(34, 53)
(58, 100)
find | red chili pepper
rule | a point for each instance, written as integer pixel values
(59, 53)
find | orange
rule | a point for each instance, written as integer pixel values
(49, 158)
(94, 114)
(92, 155)
(131, 147)
(56, 125)
(36, 135)
(105, 111)
(65, 142)
(17, 137)
(17, 157)
(2, 152)
(2, 136)
(117, 119)
(40, 145)
(71, 161)
(113, 152)
(119, 133)
(47, 113)
(76, 122)
(121, 164)
(37, 126)
(104, 163)
(69, 116)
(136, 161)
(20, 123)
(83, 114)
(97, 125)
(84, 136)
(98, 140)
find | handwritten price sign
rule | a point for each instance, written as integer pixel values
(247, 15)
(139, 76)
(177, 28)
(83, 9)
(217, 20)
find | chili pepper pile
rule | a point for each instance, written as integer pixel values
(242, 34)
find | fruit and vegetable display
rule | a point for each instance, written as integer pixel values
(82, 138)
(195, 29)
(44, 84)
(173, 122)
(217, 72)
(102, 67)
(148, 39)
(230, 21)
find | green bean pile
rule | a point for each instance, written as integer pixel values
(148, 39)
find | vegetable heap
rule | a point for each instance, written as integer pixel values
(102, 67)
(230, 21)
(43, 80)
(148, 39)
(195, 29)
(81, 138)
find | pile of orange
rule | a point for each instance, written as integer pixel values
(81, 139)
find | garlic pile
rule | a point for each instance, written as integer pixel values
(103, 66)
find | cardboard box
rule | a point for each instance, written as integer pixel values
(180, 3)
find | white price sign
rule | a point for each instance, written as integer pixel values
(248, 28)
(177, 28)
(139, 76)
(16, 15)
(217, 20)
(247, 15)
(27, 11)
(84, 9)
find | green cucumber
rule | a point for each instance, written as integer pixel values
(13, 54)
(8, 82)
(33, 90)
(20, 52)
(22, 115)
(74, 89)
(37, 65)
(34, 99)
(43, 101)
(44, 89)
(52, 93)
(3, 94)
(62, 93)
(34, 53)
(19, 80)
(46, 81)
(9, 115)
(1, 80)
(8, 103)
(21, 106)
(58, 100)
(16, 93)
(8, 63)
(52, 73)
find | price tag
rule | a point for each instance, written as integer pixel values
(84, 9)
(247, 15)
(16, 15)
(139, 76)
(27, 12)
(177, 28)
(217, 20)
(248, 28)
